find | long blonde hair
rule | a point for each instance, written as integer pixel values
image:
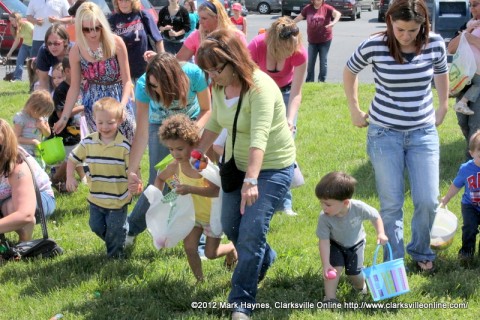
(9, 150)
(90, 12)
(215, 8)
(283, 38)
(16, 30)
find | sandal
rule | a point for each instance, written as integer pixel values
(231, 260)
(423, 266)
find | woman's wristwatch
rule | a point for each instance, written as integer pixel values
(252, 181)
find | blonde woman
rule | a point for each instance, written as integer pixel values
(20, 30)
(280, 54)
(135, 27)
(213, 17)
(99, 57)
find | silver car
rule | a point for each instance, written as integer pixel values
(263, 6)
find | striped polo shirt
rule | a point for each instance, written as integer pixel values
(403, 96)
(107, 169)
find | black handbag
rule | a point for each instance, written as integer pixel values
(42, 248)
(230, 176)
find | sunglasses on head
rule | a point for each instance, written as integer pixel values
(288, 32)
(89, 30)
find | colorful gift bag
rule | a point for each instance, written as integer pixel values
(388, 279)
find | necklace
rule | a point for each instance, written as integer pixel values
(97, 54)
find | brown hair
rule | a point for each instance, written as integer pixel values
(136, 5)
(18, 18)
(283, 38)
(179, 127)
(474, 142)
(41, 101)
(9, 155)
(174, 83)
(59, 30)
(406, 10)
(109, 104)
(224, 46)
(336, 185)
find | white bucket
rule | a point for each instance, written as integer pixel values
(443, 230)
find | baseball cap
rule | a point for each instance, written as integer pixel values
(237, 6)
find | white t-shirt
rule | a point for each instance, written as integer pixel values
(44, 9)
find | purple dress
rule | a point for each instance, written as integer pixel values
(103, 79)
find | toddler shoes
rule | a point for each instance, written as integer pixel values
(462, 107)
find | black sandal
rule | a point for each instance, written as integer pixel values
(422, 266)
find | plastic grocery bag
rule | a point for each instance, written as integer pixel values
(170, 218)
(298, 180)
(463, 67)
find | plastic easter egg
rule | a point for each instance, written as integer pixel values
(332, 274)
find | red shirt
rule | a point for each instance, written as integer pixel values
(317, 19)
(238, 23)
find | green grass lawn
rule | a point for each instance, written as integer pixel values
(83, 284)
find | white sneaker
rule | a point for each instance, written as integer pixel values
(129, 241)
(240, 316)
(462, 107)
(290, 212)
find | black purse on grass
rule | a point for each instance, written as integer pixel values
(230, 176)
(42, 248)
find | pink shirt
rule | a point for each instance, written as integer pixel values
(192, 43)
(258, 51)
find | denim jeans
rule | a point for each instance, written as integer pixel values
(109, 225)
(48, 204)
(469, 124)
(248, 232)
(287, 200)
(320, 49)
(23, 54)
(172, 47)
(156, 152)
(416, 151)
(471, 221)
(36, 44)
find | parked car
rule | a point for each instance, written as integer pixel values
(6, 8)
(263, 6)
(382, 9)
(368, 5)
(348, 8)
(293, 6)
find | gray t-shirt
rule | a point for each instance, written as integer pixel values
(347, 230)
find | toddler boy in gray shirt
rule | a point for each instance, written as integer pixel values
(341, 233)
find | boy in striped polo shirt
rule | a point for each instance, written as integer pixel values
(106, 153)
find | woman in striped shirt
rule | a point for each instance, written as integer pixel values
(402, 120)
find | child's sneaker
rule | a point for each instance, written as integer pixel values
(462, 107)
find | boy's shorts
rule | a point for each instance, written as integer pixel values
(350, 258)
(207, 230)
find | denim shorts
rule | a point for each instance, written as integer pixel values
(350, 258)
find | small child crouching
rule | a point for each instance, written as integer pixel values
(341, 233)
(106, 153)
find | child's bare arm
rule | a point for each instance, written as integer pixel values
(452, 191)
(209, 191)
(71, 183)
(44, 127)
(378, 225)
(324, 248)
(166, 173)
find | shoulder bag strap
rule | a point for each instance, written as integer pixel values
(39, 211)
(234, 130)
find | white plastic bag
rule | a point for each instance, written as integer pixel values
(168, 221)
(463, 67)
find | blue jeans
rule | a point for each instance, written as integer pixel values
(172, 47)
(36, 44)
(23, 54)
(287, 200)
(156, 152)
(471, 221)
(391, 153)
(248, 232)
(48, 204)
(109, 225)
(320, 49)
